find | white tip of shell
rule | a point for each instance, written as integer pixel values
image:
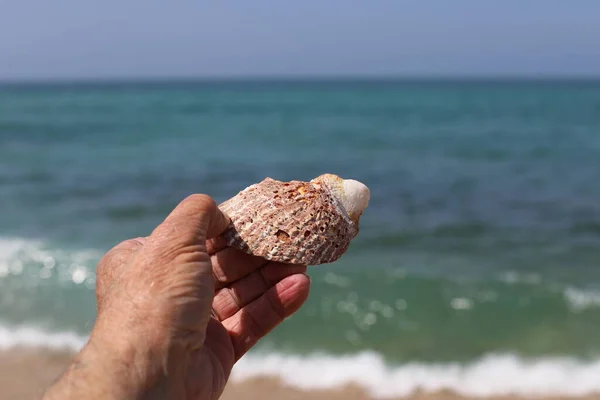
(356, 198)
(353, 195)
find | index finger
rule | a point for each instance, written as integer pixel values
(232, 264)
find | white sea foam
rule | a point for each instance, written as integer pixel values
(580, 299)
(37, 250)
(502, 374)
(19, 255)
(513, 278)
(25, 336)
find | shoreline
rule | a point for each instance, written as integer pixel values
(26, 372)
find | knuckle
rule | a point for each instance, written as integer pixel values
(254, 329)
(219, 276)
(105, 262)
(104, 268)
(136, 242)
(234, 297)
(117, 255)
(276, 307)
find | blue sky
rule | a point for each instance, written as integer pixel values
(69, 39)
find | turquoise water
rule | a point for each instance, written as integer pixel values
(482, 236)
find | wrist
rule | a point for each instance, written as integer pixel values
(115, 366)
(143, 359)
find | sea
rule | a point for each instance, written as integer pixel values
(477, 265)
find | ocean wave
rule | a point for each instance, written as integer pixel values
(493, 374)
(26, 336)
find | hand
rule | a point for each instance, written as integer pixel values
(154, 336)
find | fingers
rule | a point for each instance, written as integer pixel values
(259, 317)
(231, 299)
(231, 264)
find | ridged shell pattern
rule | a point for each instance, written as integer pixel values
(292, 222)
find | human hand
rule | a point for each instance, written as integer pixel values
(154, 336)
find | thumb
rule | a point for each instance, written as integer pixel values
(196, 218)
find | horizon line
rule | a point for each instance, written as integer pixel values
(300, 78)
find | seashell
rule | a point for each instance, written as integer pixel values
(296, 222)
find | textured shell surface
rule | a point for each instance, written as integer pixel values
(292, 222)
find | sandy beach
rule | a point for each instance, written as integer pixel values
(25, 373)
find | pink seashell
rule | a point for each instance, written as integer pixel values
(296, 222)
